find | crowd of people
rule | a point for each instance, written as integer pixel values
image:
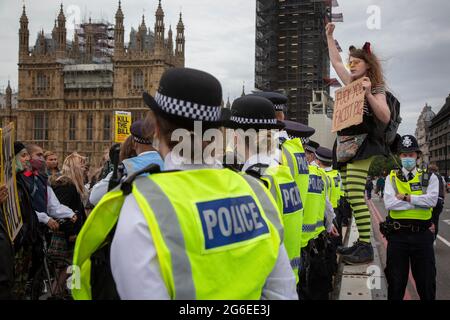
(157, 223)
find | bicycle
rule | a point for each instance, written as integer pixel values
(49, 282)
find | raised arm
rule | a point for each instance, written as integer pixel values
(335, 57)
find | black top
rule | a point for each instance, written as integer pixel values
(68, 195)
(374, 145)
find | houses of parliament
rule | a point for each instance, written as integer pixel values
(68, 90)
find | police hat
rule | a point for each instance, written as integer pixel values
(137, 131)
(187, 95)
(253, 112)
(408, 144)
(324, 154)
(279, 101)
(311, 146)
(298, 130)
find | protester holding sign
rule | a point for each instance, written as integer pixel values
(6, 252)
(355, 148)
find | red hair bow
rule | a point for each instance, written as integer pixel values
(367, 48)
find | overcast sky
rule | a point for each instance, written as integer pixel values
(413, 40)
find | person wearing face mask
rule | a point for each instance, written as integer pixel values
(410, 196)
(44, 203)
(27, 239)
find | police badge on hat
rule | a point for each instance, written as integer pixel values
(407, 142)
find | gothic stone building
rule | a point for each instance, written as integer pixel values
(69, 90)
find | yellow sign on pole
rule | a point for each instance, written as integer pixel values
(122, 126)
(11, 208)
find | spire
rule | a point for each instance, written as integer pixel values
(159, 28)
(180, 22)
(180, 41)
(119, 32)
(24, 36)
(228, 106)
(159, 11)
(8, 98)
(243, 90)
(24, 18)
(170, 41)
(119, 13)
(8, 88)
(61, 16)
(143, 27)
(60, 33)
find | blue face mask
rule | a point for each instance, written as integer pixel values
(409, 163)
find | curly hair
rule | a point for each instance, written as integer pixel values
(375, 71)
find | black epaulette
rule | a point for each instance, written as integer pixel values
(127, 185)
(256, 171)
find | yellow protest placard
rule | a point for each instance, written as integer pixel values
(11, 208)
(349, 106)
(122, 126)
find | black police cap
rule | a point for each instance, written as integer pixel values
(324, 154)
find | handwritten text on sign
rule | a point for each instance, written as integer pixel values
(349, 106)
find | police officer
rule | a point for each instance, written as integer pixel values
(256, 114)
(324, 159)
(146, 154)
(196, 231)
(410, 195)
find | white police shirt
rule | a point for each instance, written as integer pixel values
(329, 211)
(55, 209)
(428, 200)
(134, 261)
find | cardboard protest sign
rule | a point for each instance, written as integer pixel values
(11, 208)
(122, 126)
(349, 106)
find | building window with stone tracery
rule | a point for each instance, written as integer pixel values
(89, 127)
(72, 127)
(107, 127)
(138, 80)
(42, 83)
(40, 126)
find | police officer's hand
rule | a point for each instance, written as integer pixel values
(3, 194)
(433, 228)
(334, 232)
(53, 225)
(401, 197)
(74, 218)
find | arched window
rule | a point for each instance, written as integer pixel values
(72, 127)
(138, 80)
(42, 82)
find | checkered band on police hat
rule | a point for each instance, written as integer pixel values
(241, 120)
(187, 109)
(279, 107)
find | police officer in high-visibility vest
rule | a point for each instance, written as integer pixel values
(324, 159)
(317, 222)
(410, 195)
(195, 231)
(253, 119)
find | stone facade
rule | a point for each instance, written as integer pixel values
(69, 90)
(423, 132)
(440, 139)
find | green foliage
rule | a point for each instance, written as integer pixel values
(382, 166)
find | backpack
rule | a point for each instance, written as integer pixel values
(391, 130)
